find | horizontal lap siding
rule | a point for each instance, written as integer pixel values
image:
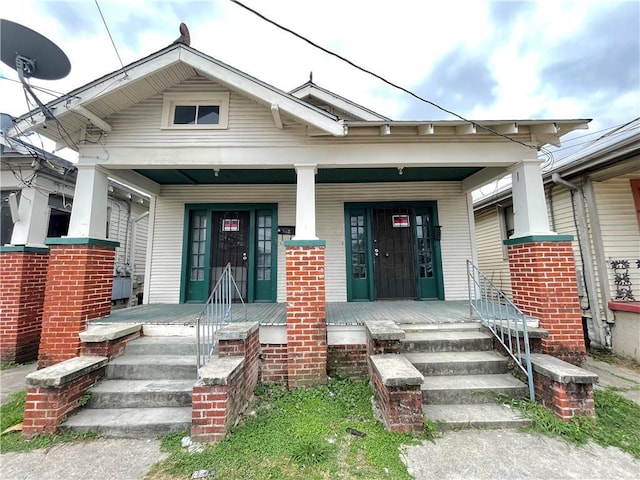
(491, 261)
(619, 226)
(330, 199)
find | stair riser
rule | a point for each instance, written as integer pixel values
(456, 396)
(466, 345)
(480, 425)
(150, 372)
(160, 349)
(462, 368)
(123, 431)
(139, 400)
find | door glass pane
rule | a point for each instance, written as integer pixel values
(358, 257)
(198, 243)
(425, 252)
(263, 268)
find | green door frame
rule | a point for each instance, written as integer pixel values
(209, 208)
(362, 290)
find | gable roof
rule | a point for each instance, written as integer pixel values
(90, 104)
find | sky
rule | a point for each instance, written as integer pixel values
(482, 59)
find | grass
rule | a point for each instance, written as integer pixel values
(617, 424)
(299, 434)
(9, 366)
(12, 413)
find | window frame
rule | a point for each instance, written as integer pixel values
(505, 211)
(172, 100)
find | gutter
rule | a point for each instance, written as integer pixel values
(580, 220)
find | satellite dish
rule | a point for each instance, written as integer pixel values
(32, 55)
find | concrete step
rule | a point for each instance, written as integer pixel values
(458, 363)
(162, 346)
(464, 416)
(446, 341)
(131, 422)
(141, 393)
(457, 389)
(441, 327)
(152, 367)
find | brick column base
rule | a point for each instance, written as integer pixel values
(22, 284)
(306, 313)
(79, 285)
(543, 284)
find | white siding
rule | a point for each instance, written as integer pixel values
(249, 123)
(619, 227)
(330, 199)
(491, 261)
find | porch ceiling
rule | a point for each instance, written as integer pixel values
(288, 176)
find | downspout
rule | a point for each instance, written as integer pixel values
(585, 252)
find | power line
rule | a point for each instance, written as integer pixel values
(379, 77)
(107, 27)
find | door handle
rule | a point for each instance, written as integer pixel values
(244, 256)
(376, 252)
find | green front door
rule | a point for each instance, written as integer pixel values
(392, 252)
(242, 237)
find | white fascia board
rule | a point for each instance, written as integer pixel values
(70, 102)
(262, 94)
(483, 177)
(135, 181)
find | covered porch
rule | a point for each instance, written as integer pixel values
(338, 313)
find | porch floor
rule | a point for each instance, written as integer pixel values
(338, 313)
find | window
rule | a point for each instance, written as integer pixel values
(195, 111)
(6, 222)
(635, 189)
(506, 227)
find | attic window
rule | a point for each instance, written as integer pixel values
(195, 111)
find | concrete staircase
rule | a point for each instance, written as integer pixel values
(463, 375)
(145, 393)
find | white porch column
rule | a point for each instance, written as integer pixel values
(529, 203)
(33, 213)
(89, 212)
(306, 202)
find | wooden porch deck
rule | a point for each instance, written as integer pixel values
(338, 313)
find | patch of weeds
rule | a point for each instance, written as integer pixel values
(12, 413)
(84, 399)
(617, 423)
(300, 434)
(9, 366)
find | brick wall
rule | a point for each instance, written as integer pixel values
(401, 406)
(273, 364)
(22, 287)
(565, 399)
(347, 361)
(543, 284)
(306, 315)
(79, 284)
(108, 348)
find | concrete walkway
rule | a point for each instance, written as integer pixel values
(469, 455)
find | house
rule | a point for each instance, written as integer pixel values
(36, 195)
(593, 195)
(311, 197)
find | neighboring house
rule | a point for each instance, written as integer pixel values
(593, 195)
(42, 185)
(235, 167)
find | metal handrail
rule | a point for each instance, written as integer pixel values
(217, 312)
(505, 320)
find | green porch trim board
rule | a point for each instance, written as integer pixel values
(538, 239)
(81, 241)
(23, 249)
(305, 243)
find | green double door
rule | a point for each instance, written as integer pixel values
(243, 237)
(393, 252)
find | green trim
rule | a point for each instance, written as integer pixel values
(305, 243)
(81, 241)
(538, 239)
(23, 248)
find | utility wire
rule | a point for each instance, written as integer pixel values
(107, 27)
(379, 77)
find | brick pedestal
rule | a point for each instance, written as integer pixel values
(543, 284)
(79, 284)
(306, 313)
(22, 285)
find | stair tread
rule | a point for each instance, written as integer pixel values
(129, 417)
(166, 339)
(447, 357)
(439, 335)
(129, 359)
(441, 327)
(478, 415)
(143, 386)
(471, 382)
